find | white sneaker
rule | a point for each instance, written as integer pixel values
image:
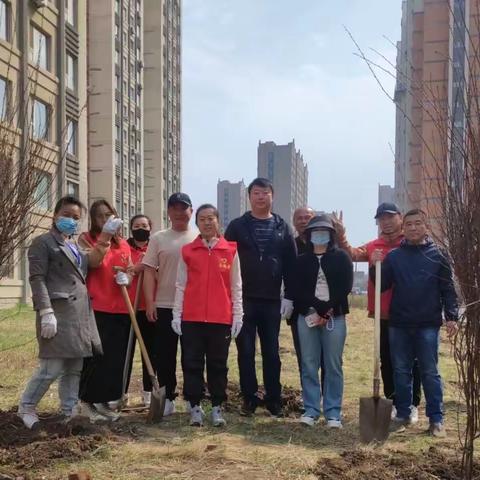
(169, 407)
(334, 424)
(88, 410)
(217, 417)
(29, 419)
(394, 412)
(147, 398)
(306, 420)
(103, 410)
(196, 416)
(413, 415)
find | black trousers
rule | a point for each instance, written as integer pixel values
(386, 368)
(102, 375)
(262, 316)
(148, 331)
(166, 345)
(205, 342)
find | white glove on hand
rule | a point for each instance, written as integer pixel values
(48, 325)
(112, 225)
(122, 279)
(236, 327)
(177, 326)
(286, 309)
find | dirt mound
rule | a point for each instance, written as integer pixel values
(370, 465)
(22, 450)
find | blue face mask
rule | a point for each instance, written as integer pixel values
(66, 225)
(320, 237)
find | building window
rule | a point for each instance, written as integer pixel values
(4, 20)
(41, 120)
(70, 12)
(72, 189)
(71, 72)
(117, 157)
(4, 98)
(72, 137)
(43, 197)
(40, 46)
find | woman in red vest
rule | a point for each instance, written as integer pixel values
(102, 376)
(208, 312)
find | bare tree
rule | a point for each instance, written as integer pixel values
(450, 174)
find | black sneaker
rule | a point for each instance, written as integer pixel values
(275, 409)
(248, 408)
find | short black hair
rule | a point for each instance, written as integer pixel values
(204, 207)
(140, 215)
(416, 211)
(260, 182)
(69, 200)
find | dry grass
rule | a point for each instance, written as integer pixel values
(248, 448)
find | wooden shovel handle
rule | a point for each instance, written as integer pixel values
(136, 328)
(376, 344)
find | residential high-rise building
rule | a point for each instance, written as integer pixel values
(115, 136)
(386, 193)
(162, 105)
(284, 166)
(431, 74)
(231, 201)
(43, 70)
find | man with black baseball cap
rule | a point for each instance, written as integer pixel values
(162, 258)
(389, 220)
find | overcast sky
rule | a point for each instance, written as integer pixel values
(282, 69)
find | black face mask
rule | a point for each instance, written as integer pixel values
(141, 235)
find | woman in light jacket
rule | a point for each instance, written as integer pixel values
(207, 313)
(66, 329)
(323, 280)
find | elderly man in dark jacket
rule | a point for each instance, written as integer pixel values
(423, 289)
(267, 252)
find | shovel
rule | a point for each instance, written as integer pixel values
(130, 345)
(157, 404)
(375, 412)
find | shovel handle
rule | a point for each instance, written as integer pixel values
(136, 329)
(376, 344)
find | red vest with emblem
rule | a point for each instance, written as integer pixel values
(208, 296)
(380, 244)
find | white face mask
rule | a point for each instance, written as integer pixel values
(320, 237)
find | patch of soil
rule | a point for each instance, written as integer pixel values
(22, 449)
(371, 465)
(291, 399)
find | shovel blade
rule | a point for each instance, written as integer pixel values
(375, 417)
(157, 405)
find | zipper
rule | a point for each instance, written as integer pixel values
(208, 282)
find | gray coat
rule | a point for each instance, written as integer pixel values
(58, 282)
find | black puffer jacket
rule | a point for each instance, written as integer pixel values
(338, 269)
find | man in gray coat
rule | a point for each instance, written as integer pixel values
(66, 328)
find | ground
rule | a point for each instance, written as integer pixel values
(248, 448)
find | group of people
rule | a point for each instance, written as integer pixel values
(207, 289)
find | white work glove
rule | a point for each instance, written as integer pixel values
(177, 326)
(236, 327)
(112, 225)
(48, 325)
(122, 279)
(286, 309)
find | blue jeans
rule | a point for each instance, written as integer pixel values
(315, 341)
(67, 370)
(406, 344)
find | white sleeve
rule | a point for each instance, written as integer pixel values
(180, 289)
(151, 255)
(236, 289)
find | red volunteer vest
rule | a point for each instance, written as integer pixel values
(386, 298)
(208, 291)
